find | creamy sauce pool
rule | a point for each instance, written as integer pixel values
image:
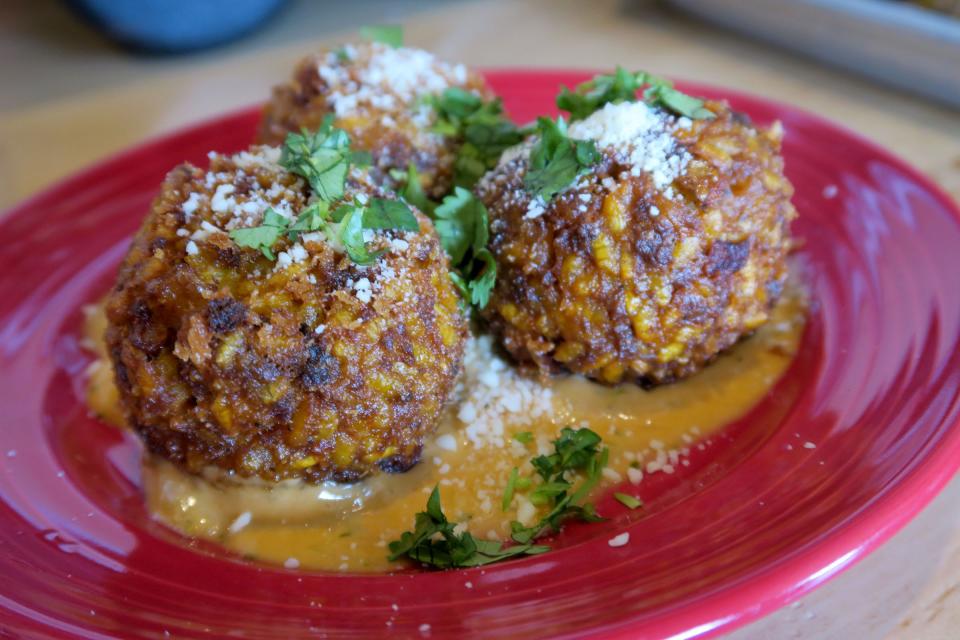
(347, 527)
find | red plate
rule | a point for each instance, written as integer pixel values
(750, 526)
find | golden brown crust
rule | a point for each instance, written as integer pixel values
(396, 130)
(601, 286)
(219, 356)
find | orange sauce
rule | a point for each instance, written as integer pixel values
(347, 527)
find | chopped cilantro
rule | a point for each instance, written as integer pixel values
(622, 86)
(361, 158)
(627, 500)
(322, 158)
(351, 234)
(381, 213)
(264, 236)
(413, 192)
(434, 542)
(462, 223)
(482, 279)
(480, 125)
(666, 96)
(388, 34)
(313, 218)
(524, 437)
(556, 159)
(511, 486)
(574, 451)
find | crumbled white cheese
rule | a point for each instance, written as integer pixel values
(536, 208)
(222, 202)
(494, 396)
(639, 136)
(364, 290)
(241, 522)
(386, 78)
(620, 540)
(192, 249)
(190, 205)
(447, 442)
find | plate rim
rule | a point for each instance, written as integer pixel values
(780, 582)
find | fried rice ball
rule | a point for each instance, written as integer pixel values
(310, 366)
(380, 96)
(657, 258)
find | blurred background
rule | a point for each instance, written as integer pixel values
(82, 79)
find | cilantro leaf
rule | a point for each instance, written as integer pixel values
(630, 502)
(361, 158)
(388, 34)
(574, 451)
(462, 223)
(456, 104)
(381, 213)
(351, 235)
(622, 86)
(322, 158)
(556, 160)
(524, 437)
(413, 192)
(313, 218)
(264, 236)
(677, 102)
(481, 283)
(511, 486)
(434, 542)
(480, 125)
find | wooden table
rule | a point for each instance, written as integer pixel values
(69, 100)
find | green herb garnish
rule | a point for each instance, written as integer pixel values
(351, 235)
(623, 86)
(388, 34)
(511, 486)
(462, 223)
(413, 192)
(627, 500)
(264, 236)
(434, 542)
(313, 218)
(556, 159)
(322, 158)
(381, 213)
(480, 125)
(524, 437)
(574, 451)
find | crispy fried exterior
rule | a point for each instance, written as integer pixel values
(225, 359)
(395, 129)
(626, 284)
